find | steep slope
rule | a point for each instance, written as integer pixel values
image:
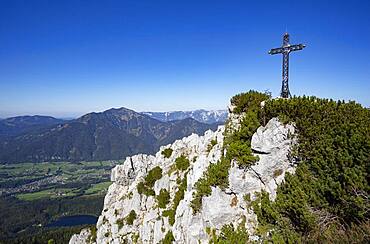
(165, 210)
(113, 134)
(201, 115)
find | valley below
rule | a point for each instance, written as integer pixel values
(55, 173)
(35, 196)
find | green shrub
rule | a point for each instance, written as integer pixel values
(140, 187)
(238, 144)
(120, 223)
(170, 213)
(131, 217)
(92, 237)
(153, 175)
(169, 238)
(135, 237)
(231, 235)
(326, 200)
(178, 180)
(179, 195)
(211, 145)
(246, 101)
(182, 163)
(356, 233)
(216, 175)
(143, 189)
(167, 152)
(203, 189)
(284, 119)
(208, 230)
(146, 187)
(242, 152)
(163, 198)
(247, 198)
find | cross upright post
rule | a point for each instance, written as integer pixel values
(285, 50)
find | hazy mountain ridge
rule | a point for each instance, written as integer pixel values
(201, 115)
(20, 124)
(112, 134)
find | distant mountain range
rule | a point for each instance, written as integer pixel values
(22, 124)
(112, 134)
(204, 116)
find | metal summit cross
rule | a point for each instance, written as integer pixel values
(285, 50)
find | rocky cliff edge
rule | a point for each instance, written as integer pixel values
(131, 217)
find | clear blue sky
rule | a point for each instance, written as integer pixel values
(69, 57)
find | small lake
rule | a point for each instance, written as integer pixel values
(74, 220)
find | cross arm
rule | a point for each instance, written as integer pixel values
(276, 50)
(296, 47)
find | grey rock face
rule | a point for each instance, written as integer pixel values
(271, 143)
(82, 238)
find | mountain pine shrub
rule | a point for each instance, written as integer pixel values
(327, 199)
(168, 238)
(153, 175)
(167, 152)
(131, 217)
(163, 198)
(182, 163)
(120, 223)
(229, 234)
(146, 187)
(179, 195)
(211, 145)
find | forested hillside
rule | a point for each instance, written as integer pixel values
(327, 199)
(109, 135)
(22, 124)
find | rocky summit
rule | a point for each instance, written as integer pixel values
(150, 199)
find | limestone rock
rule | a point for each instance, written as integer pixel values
(271, 143)
(273, 136)
(83, 237)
